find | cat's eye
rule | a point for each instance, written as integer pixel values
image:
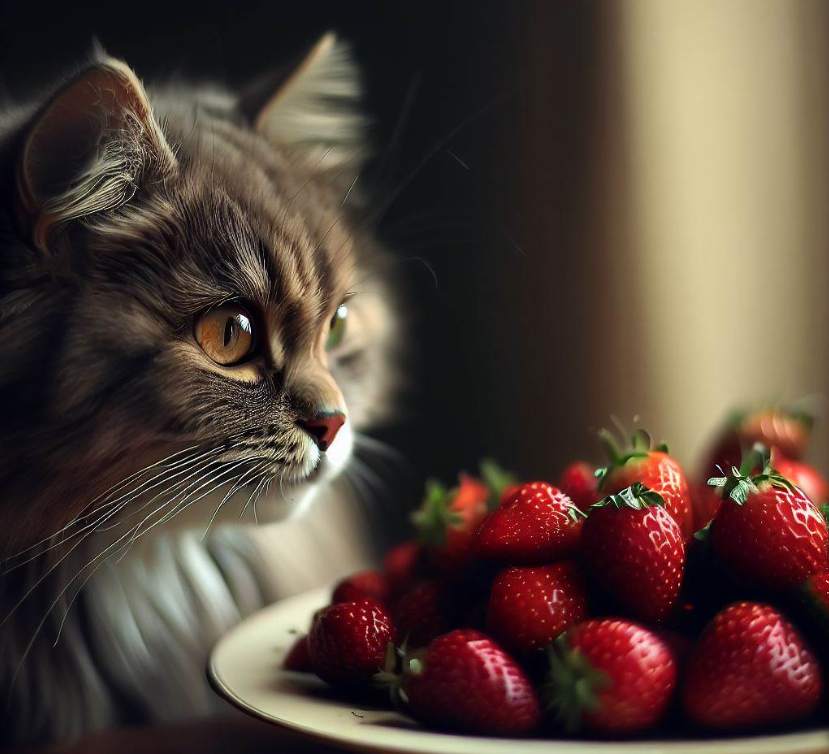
(336, 331)
(226, 334)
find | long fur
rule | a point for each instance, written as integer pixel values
(116, 424)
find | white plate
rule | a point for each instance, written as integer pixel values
(246, 668)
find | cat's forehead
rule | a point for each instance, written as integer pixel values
(210, 238)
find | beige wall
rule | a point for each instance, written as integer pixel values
(695, 265)
(726, 104)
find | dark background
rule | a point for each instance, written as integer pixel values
(457, 109)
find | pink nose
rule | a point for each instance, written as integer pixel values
(323, 429)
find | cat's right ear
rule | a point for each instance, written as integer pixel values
(88, 150)
(313, 104)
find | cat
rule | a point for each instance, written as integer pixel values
(192, 322)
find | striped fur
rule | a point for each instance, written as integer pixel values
(101, 376)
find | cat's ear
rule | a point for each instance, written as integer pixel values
(313, 103)
(89, 149)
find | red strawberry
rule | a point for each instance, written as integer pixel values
(578, 481)
(655, 469)
(531, 605)
(750, 668)
(402, 566)
(464, 681)
(537, 524)
(363, 585)
(767, 533)
(502, 484)
(424, 613)
(785, 429)
(800, 474)
(610, 676)
(448, 520)
(298, 658)
(636, 552)
(348, 641)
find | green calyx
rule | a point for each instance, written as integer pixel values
(398, 664)
(497, 480)
(435, 515)
(572, 685)
(741, 483)
(640, 446)
(824, 511)
(637, 496)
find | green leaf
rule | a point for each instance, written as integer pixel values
(824, 511)
(637, 497)
(704, 534)
(435, 515)
(497, 480)
(572, 685)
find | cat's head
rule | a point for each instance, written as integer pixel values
(184, 275)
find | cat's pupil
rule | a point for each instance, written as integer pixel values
(230, 331)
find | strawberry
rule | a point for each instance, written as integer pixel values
(348, 641)
(502, 484)
(578, 481)
(802, 475)
(655, 469)
(465, 682)
(782, 428)
(448, 520)
(539, 523)
(363, 585)
(402, 567)
(609, 676)
(530, 606)
(636, 552)
(767, 533)
(750, 668)
(424, 613)
(298, 658)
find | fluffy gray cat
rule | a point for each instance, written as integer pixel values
(191, 327)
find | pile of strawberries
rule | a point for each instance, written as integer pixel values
(618, 600)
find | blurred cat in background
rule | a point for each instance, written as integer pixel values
(191, 328)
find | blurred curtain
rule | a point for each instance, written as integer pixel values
(693, 271)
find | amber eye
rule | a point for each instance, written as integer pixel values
(226, 334)
(336, 331)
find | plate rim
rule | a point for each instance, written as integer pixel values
(803, 742)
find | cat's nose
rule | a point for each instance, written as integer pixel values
(323, 429)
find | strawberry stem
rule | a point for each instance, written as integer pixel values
(572, 685)
(742, 482)
(640, 446)
(637, 496)
(497, 479)
(435, 516)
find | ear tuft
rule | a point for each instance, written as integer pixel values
(89, 149)
(315, 104)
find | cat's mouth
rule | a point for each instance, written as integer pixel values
(290, 490)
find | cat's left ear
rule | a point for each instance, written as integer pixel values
(313, 103)
(89, 149)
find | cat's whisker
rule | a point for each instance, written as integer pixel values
(243, 480)
(216, 474)
(106, 513)
(119, 485)
(101, 556)
(57, 564)
(253, 495)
